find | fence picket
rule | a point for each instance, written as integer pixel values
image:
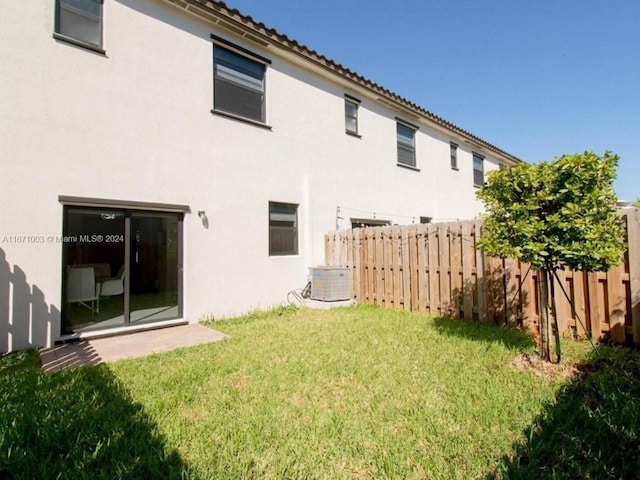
(413, 262)
(356, 277)
(444, 263)
(422, 251)
(435, 304)
(633, 235)
(387, 261)
(468, 280)
(579, 305)
(455, 268)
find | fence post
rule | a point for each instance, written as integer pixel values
(414, 289)
(445, 281)
(467, 270)
(481, 287)
(615, 296)
(596, 310)
(387, 248)
(423, 262)
(633, 236)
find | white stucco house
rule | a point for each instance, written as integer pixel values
(167, 160)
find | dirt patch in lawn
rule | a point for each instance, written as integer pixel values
(547, 370)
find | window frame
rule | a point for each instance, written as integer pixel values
(349, 100)
(238, 51)
(294, 230)
(400, 145)
(481, 158)
(58, 35)
(453, 153)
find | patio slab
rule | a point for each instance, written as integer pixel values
(140, 344)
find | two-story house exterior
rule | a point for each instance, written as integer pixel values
(167, 160)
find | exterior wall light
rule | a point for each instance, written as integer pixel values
(203, 217)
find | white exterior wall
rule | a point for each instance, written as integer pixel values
(135, 124)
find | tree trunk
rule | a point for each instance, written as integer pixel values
(543, 296)
(556, 329)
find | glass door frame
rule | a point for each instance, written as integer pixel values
(127, 208)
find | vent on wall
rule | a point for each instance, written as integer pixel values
(330, 284)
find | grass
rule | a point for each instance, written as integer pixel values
(352, 393)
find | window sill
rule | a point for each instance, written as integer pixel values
(409, 167)
(255, 123)
(78, 43)
(455, 169)
(353, 134)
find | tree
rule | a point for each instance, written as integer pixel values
(551, 215)
(637, 203)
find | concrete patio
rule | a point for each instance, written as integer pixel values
(140, 344)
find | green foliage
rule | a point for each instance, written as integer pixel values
(637, 203)
(555, 213)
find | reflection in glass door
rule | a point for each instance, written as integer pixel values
(154, 267)
(120, 268)
(93, 268)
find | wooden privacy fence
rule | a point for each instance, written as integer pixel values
(436, 268)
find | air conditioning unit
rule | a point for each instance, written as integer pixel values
(330, 284)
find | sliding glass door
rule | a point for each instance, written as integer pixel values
(154, 267)
(120, 268)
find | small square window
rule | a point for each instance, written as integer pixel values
(453, 149)
(478, 170)
(424, 220)
(238, 84)
(351, 115)
(283, 229)
(406, 145)
(80, 21)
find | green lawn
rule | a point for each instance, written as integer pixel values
(352, 393)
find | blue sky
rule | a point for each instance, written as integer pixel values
(536, 78)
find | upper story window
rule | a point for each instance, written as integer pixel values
(351, 115)
(453, 149)
(406, 144)
(283, 229)
(79, 22)
(478, 170)
(239, 82)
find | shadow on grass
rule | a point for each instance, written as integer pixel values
(76, 424)
(511, 338)
(592, 431)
